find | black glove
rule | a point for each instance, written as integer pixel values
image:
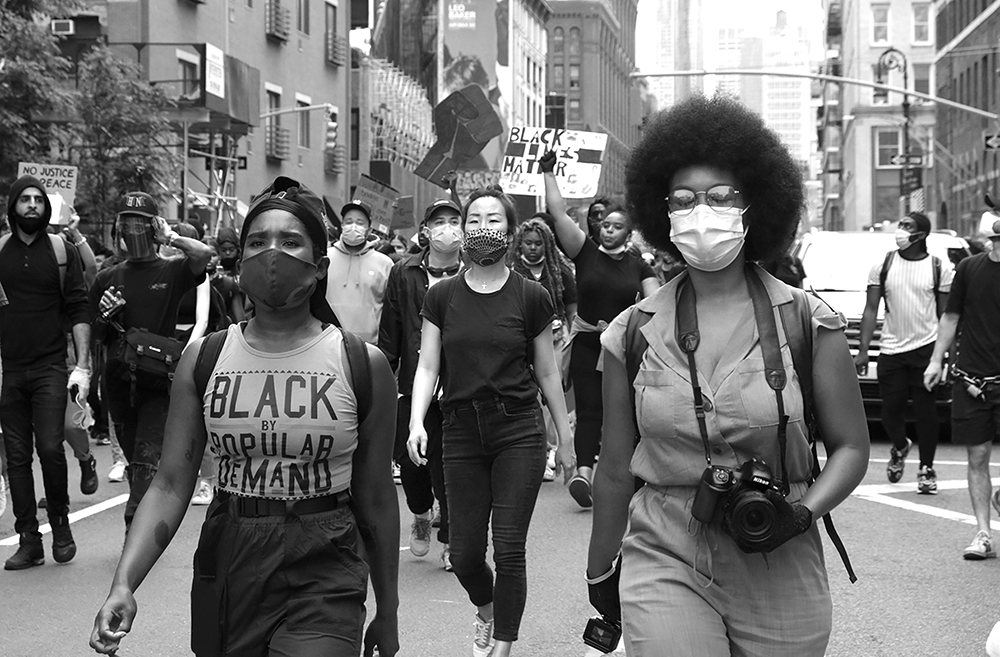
(791, 520)
(547, 162)
(604, 596)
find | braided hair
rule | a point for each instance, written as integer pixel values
(553, 262)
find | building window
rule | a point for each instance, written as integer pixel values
(190, 80)
(880, 24)
(922, 79)
(879, 96)
(558, 40)
(302, 19)
(273, 105)
(303, 123)
(574, 42)
(921, 23)
(574, 109)
(574, 76)
(887, 144)
(558, 76)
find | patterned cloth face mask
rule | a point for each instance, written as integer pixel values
(485, 246)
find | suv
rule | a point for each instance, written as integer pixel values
(837, 265)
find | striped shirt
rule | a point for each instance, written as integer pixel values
(911, 318)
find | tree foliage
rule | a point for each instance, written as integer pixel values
(31, 71)
(123, 135)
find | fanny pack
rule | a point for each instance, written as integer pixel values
(147, 360)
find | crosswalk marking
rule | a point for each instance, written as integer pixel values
(73, 517)
(882, 493)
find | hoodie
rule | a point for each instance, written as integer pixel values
(355, 287)
(19, 186)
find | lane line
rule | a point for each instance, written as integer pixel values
(911, 487)
(73, 517)
(944, 514)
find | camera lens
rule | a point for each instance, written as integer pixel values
(752, 516)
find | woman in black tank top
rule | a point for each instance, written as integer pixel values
(276, 575)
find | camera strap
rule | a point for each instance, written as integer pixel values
(688, 337)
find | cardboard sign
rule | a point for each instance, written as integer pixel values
(381, 198)
(578, 170)
(57, 178)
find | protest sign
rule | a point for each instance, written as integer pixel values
(578, 170)
(56, 178)
(382, 200)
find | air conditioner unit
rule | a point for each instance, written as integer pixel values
(63, 27)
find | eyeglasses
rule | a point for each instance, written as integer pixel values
(720, 197)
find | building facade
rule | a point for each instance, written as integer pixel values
(677, 33)
(591, 58)
(965, 71)
(865, 132)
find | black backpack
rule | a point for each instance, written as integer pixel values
(357, 359)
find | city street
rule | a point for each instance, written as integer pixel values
(915, 595)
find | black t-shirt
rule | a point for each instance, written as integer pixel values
(975, 296)
(568, 280)
(607, 286)
(152, 292)
(486, 338)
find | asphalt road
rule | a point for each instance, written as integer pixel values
(915, 596)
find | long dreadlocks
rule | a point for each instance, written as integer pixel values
(553, 263)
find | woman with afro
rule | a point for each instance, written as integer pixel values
(711, 184)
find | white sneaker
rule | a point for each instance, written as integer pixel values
(203, 494)
(117, 472)
(482, 642)
(3, 494)
(420, 536)
(980, 548)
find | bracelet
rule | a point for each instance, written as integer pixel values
(83, 240)
(601, 578)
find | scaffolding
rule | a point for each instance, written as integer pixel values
(401, 115)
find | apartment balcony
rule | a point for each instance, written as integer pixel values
(277, 21)
(276, 142)
(335, 159)
(336, 49)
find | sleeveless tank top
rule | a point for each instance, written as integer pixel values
(285, 425)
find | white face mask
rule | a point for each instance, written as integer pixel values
(445, 239)
(709, 239)
(353, 234)
(903, 238)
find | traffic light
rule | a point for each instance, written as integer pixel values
(331, 131)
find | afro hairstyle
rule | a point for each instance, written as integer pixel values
(723, 133)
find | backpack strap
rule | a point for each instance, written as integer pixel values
(359, 361)
(635, 347)
(883, 274)
(208, 356)
(59, 249)
(796, 317)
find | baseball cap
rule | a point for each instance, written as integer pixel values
(358, 204)
(437, 205)
(989, 225)
(139, 203)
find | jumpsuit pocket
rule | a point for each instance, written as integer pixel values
(760, 403)
(655, 398)
(209, 590)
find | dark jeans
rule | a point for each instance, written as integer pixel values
(139, 426)
(421, 484)
(32, 412)
(494, 459)
(901, 378)
(589, 397)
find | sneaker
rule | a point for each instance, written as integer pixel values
(3, 494)
(579, 488)
(420, 536)
(88, 476)
(117, 472)
(927, 481)
(446, 559)
(395, 474)
(29, 553)
(203, 493)
(63, 545)
(102, 439)
(980, 548)
(482, 644)
(549, 474)
(897, 460)
(550, 459)
(436, 520)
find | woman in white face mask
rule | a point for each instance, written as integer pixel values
(705, 407)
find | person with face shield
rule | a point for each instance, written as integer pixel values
(142, 292)
(358, 273)
(399, 339)
(41, 276)
(915, 287)
(609, 278)
(704, 496)
(305, 507)
(488, 333)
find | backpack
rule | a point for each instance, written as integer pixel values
(357, 359)
(796, 320)
(889, 257)
(58, 247)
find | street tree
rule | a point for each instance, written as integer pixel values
(123, 138)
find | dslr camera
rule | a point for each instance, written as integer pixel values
(738, 497)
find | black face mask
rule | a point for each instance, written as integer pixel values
(228, 263)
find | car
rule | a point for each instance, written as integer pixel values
(837, 265)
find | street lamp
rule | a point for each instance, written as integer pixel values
(893, 58)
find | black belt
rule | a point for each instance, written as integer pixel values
(257, 507)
